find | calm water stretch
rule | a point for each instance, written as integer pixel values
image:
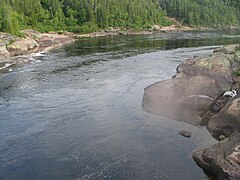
(75, 113)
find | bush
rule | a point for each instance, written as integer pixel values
(237, 73)
(85, 28)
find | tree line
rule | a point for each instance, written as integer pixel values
(79, 15)
(214, 13)
(91, 15)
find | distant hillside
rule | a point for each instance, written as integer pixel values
(91, 15)
(213, 13)
(79, 15)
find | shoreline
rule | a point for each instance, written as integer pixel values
(195, 96)
(12, 47)
(154, 30)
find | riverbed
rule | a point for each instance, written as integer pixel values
(75, 113)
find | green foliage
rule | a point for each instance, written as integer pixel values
(90, 15)
(78, 15)
(237, 72)
(214, 13)
(85, 28)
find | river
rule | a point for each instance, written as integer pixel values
(75, 113)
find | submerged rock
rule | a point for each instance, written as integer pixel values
(185, 133)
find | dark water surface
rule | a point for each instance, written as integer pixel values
(75, 113)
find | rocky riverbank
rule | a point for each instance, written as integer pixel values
(12, 46)
(33, 42)
(154, 29)
(195, 95)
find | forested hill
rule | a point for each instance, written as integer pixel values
(91, 15)
(214, 13)
(78, 15)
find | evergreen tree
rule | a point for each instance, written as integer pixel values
(91, 15)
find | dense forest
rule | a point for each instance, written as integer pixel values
(78, 15)
(214, 13)
(91, 15)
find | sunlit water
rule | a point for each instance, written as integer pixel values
(75, 113)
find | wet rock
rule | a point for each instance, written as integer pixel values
(185, 133)
(192, 91)
(222, 159)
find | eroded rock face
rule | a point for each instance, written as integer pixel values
(192, 91)
(222, 159)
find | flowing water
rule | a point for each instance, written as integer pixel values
(75, 113)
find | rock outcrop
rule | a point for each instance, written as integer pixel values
(5, 39)
(222, 159)
(34, 41)
(227, 121)
(22, 47)
(195, 95)
(191, 92)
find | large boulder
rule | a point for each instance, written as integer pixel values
(184, 99)
(227, 121)
(194, 89)
(222, 159)
(23, 46)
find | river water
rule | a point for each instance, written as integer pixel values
(75, 113)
